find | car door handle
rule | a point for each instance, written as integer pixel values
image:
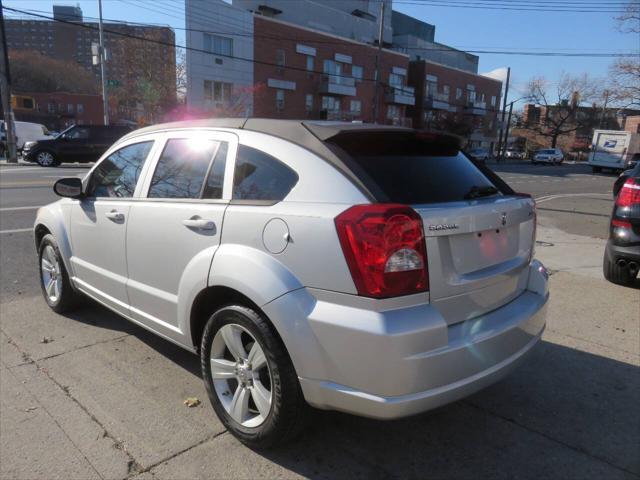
(115, 215)
(199, 223)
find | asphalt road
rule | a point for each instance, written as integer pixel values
(89, 395)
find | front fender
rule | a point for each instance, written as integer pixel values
(259, 276)
(55, 218)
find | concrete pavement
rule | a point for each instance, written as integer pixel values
(90, 395)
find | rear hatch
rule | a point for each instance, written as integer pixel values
(479, 234)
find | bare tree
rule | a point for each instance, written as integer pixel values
(568, 108)
(629, 21)
(625, 82)
(33, 72)
(181, 75)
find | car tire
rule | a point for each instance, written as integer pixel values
(45, 158)
(54, 279)
(240, 383)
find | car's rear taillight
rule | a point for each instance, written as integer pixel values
(385, 250)
(629, 194)
(534, 214)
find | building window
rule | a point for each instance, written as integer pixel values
(431, 88)
(355, 107)
(331, 104)
(471, 95)
(217, 91)
(357, 72)
(308, 102)
(331, 67)
(393, 112)
(69, 107)
(493, 100)
(80, 108)
(396, 81)
(280, 59)
(458, 93)
(310, 64)
(279, 100)
(218, 45)
(446, 91)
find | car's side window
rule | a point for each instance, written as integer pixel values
(79, 133)
(259, 176)
(182, 168)
(215, 180)
(117, 175)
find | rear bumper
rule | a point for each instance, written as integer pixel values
(402, 361)
(616, 252)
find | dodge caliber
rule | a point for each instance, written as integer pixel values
(368, 269)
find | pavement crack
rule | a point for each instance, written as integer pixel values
(548, 437)
(37, 400)
(133, 465)
(174, 455)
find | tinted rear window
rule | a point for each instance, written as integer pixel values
(407, 168)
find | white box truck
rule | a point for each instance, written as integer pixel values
(614, 149)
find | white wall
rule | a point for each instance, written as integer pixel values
(218, 18)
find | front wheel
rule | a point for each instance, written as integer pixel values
(46, 159)
(54, 280)
(250, 379)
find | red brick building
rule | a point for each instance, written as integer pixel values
(314, 75)
(58, 110)
(456, 101)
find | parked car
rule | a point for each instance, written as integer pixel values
(514, 154)
(479, 154)
(332, 281)
(622, 255)
(26, 132)
(79, 143)
(553, 156)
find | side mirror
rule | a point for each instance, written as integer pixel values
(68, 187)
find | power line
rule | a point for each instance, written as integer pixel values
(478, 51)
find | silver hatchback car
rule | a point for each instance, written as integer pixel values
(368, 269)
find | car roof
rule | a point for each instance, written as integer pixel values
(310, 134)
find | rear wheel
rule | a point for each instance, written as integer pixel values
(250, 380)
(46, 159)
(54, 280)
(615, 273)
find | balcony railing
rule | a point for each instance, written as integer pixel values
(436, 101)
(476, 107)
(401, 95)
(338, 85)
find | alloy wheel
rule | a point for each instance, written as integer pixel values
(241, 375)
(45, 159)
(51, 274)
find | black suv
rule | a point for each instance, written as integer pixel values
(79, 143)
(622, 256)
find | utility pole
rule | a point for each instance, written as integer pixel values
(376, 100)
(504, 108)
(5, 93)
(604, 107)
(103, 58)
(506, 130)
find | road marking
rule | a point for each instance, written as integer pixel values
(10, 209)
(17, 230)
(546, 198)
(24, 169)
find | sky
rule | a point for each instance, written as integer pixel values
(467, 29)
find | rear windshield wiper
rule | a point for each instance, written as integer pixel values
(476, 192)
